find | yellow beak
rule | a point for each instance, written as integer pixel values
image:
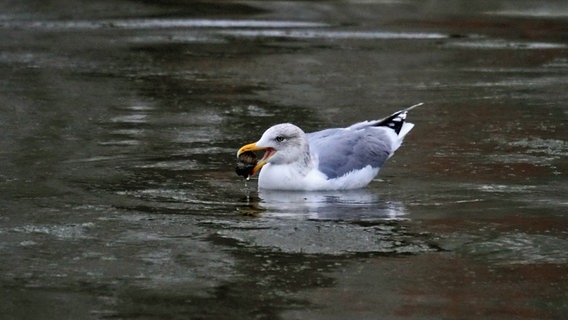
(264, 160)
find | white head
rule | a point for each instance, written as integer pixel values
(287, 140)
(284, 143)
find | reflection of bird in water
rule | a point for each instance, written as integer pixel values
(351, 205)
(331, 159)
(329, 205)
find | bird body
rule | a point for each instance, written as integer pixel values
(331, 159)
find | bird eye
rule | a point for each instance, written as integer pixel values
(280, 138)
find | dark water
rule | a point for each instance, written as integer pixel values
(119, 123)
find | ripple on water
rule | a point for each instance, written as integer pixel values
(326, 237)
(136, 24)
(334, 35)
(499, 44)
(552, 147)
(68, 231)
(520, 248)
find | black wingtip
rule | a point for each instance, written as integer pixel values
(396, 120)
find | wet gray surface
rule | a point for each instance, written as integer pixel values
(119, 123)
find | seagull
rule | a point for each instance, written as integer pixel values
(331, 159)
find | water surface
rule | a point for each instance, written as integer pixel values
(120, 122)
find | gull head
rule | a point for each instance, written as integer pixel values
(282, 144)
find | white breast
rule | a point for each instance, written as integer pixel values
(287, 177)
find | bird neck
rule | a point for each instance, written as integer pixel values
(305, 162)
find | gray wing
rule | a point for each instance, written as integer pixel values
(343, 150)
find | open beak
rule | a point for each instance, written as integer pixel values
(264, 160)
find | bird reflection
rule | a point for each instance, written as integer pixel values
(352, 205)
